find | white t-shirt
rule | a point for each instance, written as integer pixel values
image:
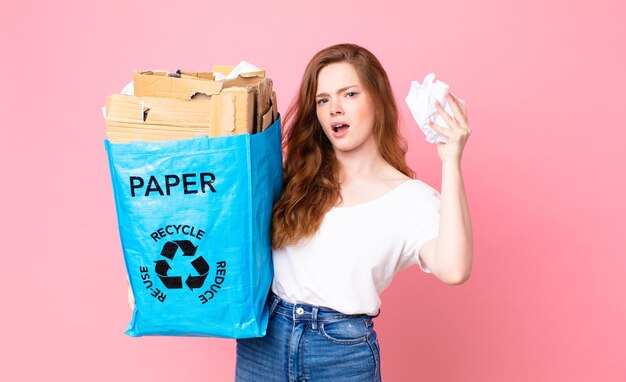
(358, 249)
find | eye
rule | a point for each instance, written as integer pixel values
(351, 94)
(322, 101)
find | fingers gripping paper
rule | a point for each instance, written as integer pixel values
(421, 101)
(194, 220)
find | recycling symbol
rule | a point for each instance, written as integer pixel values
(162, 267)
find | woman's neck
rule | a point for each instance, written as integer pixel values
(355, 165)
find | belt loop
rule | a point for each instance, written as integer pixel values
(314, 318)
(275, 301)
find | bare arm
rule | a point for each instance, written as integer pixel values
(449, 256)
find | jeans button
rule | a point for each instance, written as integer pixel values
(299, 311)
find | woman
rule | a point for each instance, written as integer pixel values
(350, 217)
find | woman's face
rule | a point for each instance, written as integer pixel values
(344, 109)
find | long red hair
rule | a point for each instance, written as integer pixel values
(311, 170)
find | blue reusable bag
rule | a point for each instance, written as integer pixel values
(194, 219)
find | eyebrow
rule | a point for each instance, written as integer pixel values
(338, 91)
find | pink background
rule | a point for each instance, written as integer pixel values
(544, 84)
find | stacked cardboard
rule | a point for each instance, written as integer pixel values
(183, 105)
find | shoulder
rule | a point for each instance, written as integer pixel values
(417, 196)
(417, 187)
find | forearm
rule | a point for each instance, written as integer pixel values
(453, 255)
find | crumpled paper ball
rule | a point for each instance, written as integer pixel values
(421, 101)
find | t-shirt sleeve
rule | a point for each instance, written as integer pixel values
(423, 226)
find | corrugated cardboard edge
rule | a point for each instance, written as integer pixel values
(131, 118)
(155, 84)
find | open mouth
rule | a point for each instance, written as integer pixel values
(339, 126)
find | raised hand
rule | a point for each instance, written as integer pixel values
(457, 133)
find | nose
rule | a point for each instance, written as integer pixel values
(335, 108)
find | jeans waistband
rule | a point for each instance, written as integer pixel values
(307, 312)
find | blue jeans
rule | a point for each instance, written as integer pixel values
(306, 343)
